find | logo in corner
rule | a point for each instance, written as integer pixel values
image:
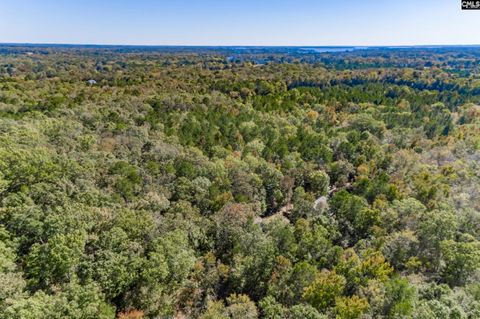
(470, 4)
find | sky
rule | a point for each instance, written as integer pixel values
(241, 22)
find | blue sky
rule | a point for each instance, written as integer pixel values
(241, 22)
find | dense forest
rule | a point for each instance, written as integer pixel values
(150, 182)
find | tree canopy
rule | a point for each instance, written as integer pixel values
(239, 183)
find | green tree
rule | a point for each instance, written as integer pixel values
(350, 307)
(321, 293)
(461, 260)
(56, 261)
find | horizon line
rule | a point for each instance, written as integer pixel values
(237, 45)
